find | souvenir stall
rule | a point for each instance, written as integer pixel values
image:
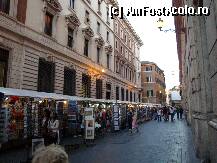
(123, 114)
(22, 114)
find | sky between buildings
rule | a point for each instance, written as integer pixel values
(159, 47)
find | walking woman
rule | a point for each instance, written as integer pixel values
(134, 122)
(55, 134)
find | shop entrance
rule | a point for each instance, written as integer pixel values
(3, 67)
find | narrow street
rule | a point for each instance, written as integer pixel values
(163, 142)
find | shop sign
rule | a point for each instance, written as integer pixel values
(89, 123)
(116, 117)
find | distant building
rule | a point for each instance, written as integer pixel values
(153, 83)
(174, 96)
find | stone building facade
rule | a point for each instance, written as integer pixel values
(153, 83)
(196, 44)
(65, 47)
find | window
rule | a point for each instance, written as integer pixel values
(86, 44)
(46, 74)
(99, 6)
(121, 49)
(87, 17)
(127, 95)
(98, 88)
(122, 94)
(134, 95)
(108, 61)
(121, 33)
(131, 96)
(149, 79)
(69, 82)
(117, 93)
(125, 38)
(48, 24)
(70, 37)
(107, 15)
(150, 93)
(98, 27)
(108, 91)
(86, 85)
(116, 27)
(98, 55)
(5, 6)
(139, 97)
(72, 3)
(4, 54)
(116, 44)
(107, 36)
(148, 68)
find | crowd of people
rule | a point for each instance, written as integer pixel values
(166, 113)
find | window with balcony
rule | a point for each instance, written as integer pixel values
(99, 89)
(72, 4)
(4, 54)
(70, 37)
(46, 76)
(108, 91)
(69, 82)
(48, 24)
(86, 47)
(5, 6)
(86, 85)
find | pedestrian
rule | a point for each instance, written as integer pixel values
(171, 113)
(130, 120)
(50, 154)
(177, 112)
(159, 115)
(181, 112)
(134, 122)
(46, 127)
(54, 127)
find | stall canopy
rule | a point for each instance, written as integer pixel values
(28, 93)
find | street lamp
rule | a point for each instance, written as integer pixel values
(160, 25)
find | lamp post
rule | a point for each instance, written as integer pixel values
(161, 24)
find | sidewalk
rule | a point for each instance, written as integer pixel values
(20, 155)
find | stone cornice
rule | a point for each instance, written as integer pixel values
(72, 20)
(108, 49)
(88, 32)
(53, 6)
(99, 41)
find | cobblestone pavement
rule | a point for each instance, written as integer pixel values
(164, 142)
